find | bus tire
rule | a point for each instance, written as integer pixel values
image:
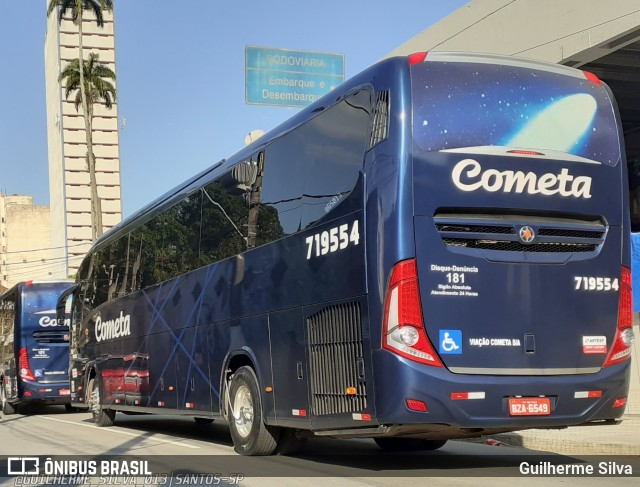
(408, 444)
(101, 417)
(250, 435)
(289, 442)
(7, 407)
(201, 420)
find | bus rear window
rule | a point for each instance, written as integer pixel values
(474, 104)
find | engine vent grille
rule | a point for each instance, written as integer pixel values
(336, 359)
(500, 233)
(380, 129)
(506, 246)
(51, 336)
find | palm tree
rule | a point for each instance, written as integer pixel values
(97, 87)
(77, 9)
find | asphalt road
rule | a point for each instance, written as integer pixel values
(196, 453)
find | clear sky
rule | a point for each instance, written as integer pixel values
(180, 78)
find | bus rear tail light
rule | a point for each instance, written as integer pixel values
(23, 362)
(621, 349)
(403, 331)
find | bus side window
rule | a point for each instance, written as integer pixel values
(120, 267)
(176, 236)
(102, 276)
(311, 170)
(335, 151)
(282, 186)
(134, 281)
(225, 215)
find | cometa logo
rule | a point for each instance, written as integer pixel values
(468, 175)
(46, 321)
(116, 328)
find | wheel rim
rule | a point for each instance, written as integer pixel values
(243, 411)
(94, 406)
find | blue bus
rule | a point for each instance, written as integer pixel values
(34, 346)
(437, 249)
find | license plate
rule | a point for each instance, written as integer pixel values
(64, 392)
(529, 406)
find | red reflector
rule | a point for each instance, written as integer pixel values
(461, 396)
(361, 416)
(621, 401)
(592, 77)
(416, 405)
(416, 57)
(525, 152)
(28, 393)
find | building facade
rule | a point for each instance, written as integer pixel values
(70, 195)
(25, 241)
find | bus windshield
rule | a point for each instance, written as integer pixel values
(475, 104)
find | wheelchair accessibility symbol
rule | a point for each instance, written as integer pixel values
(450, 342)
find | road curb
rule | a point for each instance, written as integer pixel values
(621, 439)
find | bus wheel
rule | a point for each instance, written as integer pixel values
(407, 444)
(289, 442)
(7, 407)
(249, 433)
(101, 417)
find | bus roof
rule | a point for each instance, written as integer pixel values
(19, 286)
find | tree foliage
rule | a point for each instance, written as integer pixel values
(97, 82)
(78, 7)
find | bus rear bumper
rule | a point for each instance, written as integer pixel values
(460, 405)
(45, 393)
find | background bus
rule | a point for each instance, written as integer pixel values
(437, 249)
(34, 346)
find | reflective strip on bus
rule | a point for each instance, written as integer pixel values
(462, 396)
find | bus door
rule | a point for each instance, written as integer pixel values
(136, 379)
(163, 381)
(192, 366)
(289, 363)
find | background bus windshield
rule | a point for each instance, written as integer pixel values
(471, 104)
